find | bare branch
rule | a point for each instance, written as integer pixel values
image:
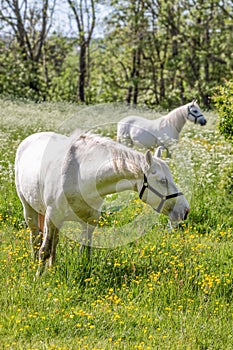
(43, 29)
(76, 15)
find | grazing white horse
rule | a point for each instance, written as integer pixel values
(61, 178)
(163, 131)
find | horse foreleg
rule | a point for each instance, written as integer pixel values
(55, 240)
(86, 240)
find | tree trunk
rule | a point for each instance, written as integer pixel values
(131, 81)
(82, 72)
(137, 75)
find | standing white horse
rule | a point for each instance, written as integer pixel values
(163, 131)
(61, 178)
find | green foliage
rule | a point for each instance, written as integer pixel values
(226, 182)
(223, 101)
(146, 52)
(61, 68)
(64, 86)
(54, 79)
(20, 78)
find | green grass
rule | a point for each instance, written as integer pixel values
(169, 289)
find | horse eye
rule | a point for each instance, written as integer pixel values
(195, 111)
(153, 171)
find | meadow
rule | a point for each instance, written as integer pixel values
(168, 288)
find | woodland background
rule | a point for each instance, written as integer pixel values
(142, 52)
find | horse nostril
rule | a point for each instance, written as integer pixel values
(186, 213)
(203, 122)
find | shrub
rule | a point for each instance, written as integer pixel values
(223, 100)
(226, 182)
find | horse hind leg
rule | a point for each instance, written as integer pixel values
(123, 136)
(36, 233)
(37, 236)
(41, 219)
(47, 253)
(126, 140)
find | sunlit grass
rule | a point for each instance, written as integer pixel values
(169, 288)
(166, 289)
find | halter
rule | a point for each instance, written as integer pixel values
(162, 197)
(194, 115)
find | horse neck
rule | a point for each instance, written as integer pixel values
(177, 117)
(123, 172)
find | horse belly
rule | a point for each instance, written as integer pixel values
(143, 138)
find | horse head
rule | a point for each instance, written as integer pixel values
(160, 191)
(194, 113)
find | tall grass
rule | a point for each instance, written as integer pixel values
(169, 289)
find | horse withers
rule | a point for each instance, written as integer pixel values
(60, 178)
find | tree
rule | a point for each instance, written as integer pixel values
(153, 52)
(128, 21)
(84, 12)
(223, 101)
(60, 68)
(28, 23)
(203, 41)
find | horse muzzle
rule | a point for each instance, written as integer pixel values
(203, 122)
(176, 216)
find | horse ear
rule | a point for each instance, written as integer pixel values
(148, 157)
(158, 152)
(194, 101)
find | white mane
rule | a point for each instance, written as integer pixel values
(177, 111)
(123, 158)
(174, 117)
